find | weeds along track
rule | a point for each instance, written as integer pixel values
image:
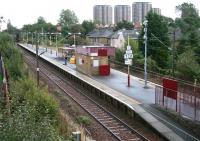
(120, 130)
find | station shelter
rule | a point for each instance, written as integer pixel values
(93, 60)
(66, 51)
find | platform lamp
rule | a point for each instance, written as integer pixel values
(1, 21)
(27, 38)
(74, 34)
(145, 23)
(57, 43)
(37, 58)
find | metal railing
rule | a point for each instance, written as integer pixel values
(187, 105)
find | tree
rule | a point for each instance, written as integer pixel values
(189, 24)
(76, 28)
(39, 26)
(67, 18)
(88, 26)
(158, 39)
(187, 66)
(10, 28)
(124, 25)
(41, 20)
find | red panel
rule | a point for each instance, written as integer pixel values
(170, 88)
(104, 70)
(102, 52)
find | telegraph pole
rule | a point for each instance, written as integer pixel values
(37, 61)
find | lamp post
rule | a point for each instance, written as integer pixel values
(56, 34)
(145, 56)
(37, 60)
(128, 64)
(32, 38)
(23, 37)
(50, 39)
(27, 39)
(1, 21)
(74, 34)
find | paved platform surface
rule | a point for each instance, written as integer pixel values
(136, 97)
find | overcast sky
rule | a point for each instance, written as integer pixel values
(22, 12)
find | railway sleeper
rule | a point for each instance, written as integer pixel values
(102, 119)
(113, 127)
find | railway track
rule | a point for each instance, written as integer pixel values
(120, 130)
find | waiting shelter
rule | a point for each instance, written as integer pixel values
(63, 51)
(93, 60)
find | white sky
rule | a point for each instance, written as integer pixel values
(22, 12)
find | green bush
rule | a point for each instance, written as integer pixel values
(11, 55)
(34, 114)
(83, 120)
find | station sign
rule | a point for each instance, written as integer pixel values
(128, 61)
(128, 47)
(129, 52)
(128, 56)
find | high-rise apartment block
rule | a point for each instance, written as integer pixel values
(103, 14)
(157, 10)
(122, 12)
(140, 10)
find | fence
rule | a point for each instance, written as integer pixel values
(185, 104)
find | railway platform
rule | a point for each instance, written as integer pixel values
(135, 97)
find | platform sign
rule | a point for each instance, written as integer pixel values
(128, 47)
(129, 52)
(128, 61)
(128, 56)
(170, 88)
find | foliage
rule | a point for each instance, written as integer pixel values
(158, 51)
(119, 54)
(187, 66)
(34, 115)
(67, 18)
(124, 25)
(11, 29)
(83, 120)
(12, 56)
(40, 26)
(88, 26)
(189, 24)
(76, 28)
(79, 40)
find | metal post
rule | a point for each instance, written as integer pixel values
(145, 56)
(174, 39)
(45, 38)
(56, 45)
(27, 38)
(145, 65)
(50, 43)
(37, 61)
(50, 40)
(195, 100)
(74, 40)
(128, 76)
(23, 37)
(128, 68)
(32, 39)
